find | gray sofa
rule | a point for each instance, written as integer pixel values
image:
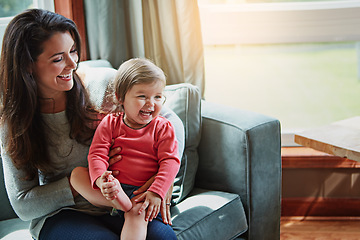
(229, 183)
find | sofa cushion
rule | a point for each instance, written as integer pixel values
(14, 229)
(185, 100)
(223, 212)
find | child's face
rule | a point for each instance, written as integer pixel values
(143, 103)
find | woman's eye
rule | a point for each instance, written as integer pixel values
(58, 60)
(73, 51)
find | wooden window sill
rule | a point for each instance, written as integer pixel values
(302, 157)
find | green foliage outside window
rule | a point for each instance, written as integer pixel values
(10, 8)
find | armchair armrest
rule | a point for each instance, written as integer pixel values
(240, 152)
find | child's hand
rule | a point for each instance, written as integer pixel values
(151, 204)
(107, 185)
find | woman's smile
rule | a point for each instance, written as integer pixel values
(66, 77)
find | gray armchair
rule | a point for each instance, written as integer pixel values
(240, 153)
(229, 183)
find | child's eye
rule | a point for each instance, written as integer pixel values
(141, 96)
(158, 97)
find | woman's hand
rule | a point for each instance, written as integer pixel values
(114, 157)
(165, 206)
(145, 187)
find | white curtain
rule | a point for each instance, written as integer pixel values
(166, 31)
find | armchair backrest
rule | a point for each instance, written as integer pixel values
(185, 100)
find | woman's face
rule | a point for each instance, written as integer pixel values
(53, 70)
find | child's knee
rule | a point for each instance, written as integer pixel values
(77, 173)
(134, 211)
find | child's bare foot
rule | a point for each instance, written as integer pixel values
(122, 201)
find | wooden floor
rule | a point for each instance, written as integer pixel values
(319, 228)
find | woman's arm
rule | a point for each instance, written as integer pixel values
(30, 200)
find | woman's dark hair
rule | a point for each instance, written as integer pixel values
(19, 110)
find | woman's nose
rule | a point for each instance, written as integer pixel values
(71, 62)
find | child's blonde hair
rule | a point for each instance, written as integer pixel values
(135, 71)
(131, 72)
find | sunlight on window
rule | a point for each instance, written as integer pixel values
(303, 84)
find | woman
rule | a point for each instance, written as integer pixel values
(47, 122)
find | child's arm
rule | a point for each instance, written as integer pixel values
(168, 159)
(169, 164)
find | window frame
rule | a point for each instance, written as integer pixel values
(291, 22)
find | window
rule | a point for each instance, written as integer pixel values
(9, 8)
(12, 7)
(296, 61)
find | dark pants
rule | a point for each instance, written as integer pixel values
(73, 225)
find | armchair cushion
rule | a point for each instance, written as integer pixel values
(207, 214)
(12, 229)
(184, 100)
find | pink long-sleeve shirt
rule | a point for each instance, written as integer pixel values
(145, 152)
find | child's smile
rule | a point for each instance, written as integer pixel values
(143, 102)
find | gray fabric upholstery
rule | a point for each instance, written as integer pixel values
(240, 152)
(229, 184)
(209, 215)
(184, 100)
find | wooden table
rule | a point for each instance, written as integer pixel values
(341, 138)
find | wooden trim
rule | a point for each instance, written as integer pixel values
(321, 207)
(319, 218)
(302, 157)
(74, 10)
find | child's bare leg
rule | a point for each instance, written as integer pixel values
(135, 226)
(80, 181)
(122, 201)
